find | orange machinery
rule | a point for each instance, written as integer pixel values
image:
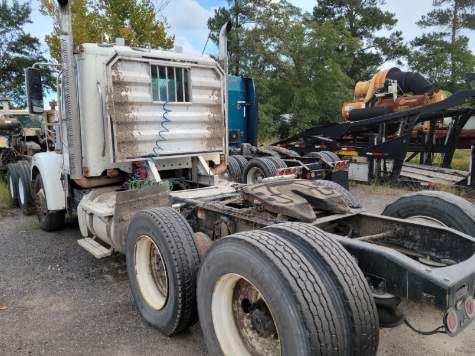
(390, 90)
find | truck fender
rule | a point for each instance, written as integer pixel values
(49, 165)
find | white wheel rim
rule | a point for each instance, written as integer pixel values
(254, 175)
(21, 191)
(232, 339)
(154, 293)
(426, 220)
(12, 190)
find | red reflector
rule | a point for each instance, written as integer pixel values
(286, 171)
(451, 321)
(341, 164)
(470, 307)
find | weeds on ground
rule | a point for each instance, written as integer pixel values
(460, 161)
(382, 188)
(386, 188)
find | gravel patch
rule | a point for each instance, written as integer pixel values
(60, 300)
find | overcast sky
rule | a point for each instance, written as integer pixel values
(187, 19)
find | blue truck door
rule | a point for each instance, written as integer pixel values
(242, 109)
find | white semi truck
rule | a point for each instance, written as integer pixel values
(283, 267)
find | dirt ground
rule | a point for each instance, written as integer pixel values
(60, 300)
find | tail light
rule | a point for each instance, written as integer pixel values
(287, 171)
(341, 165)
(470, 307)
(376, 154)
(451, 321)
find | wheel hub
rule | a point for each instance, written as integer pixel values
(261, 320)
(243, 322)
(158, 271)
(151, 273)
(255, 175)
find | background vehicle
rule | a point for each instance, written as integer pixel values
(249, 163)
(140, 165)
(21, 136)
(382, 134)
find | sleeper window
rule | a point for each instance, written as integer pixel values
(170, 84)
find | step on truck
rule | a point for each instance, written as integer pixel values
(284, 266)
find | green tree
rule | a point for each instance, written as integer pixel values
(444, 56)
(299, 76)
(104, 20)
(241, 13)
(364, 19)
(18, 50)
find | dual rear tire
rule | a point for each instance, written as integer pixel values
(286, 289)
(236, 166)
(261, 167)
(297, 293)
(12, 180)
(19, 184)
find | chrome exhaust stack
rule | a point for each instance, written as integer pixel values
(69, 91)
(223, 45)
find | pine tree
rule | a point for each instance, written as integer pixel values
(18, 50)
(363, 19)
(241, 13)
(444, 55)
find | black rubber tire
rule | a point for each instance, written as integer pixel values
(242, 161)
(278, 162)
(49, 220)
(303, 308)
(174, 238)
(349, 198)
(284, 152)
(327, 156)
(12, 181)
(234, 169)
(451, 210)
(27, 205)
(267, 167)
(354, 293)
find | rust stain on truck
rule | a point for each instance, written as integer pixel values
(123, 117)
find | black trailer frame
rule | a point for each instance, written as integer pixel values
(396, 256)
(388, 137)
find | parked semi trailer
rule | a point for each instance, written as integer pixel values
(385, 128)
(285, 266)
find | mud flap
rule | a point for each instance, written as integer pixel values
(131, 201)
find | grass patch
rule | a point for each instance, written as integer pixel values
(460, 161)
(379, 188)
